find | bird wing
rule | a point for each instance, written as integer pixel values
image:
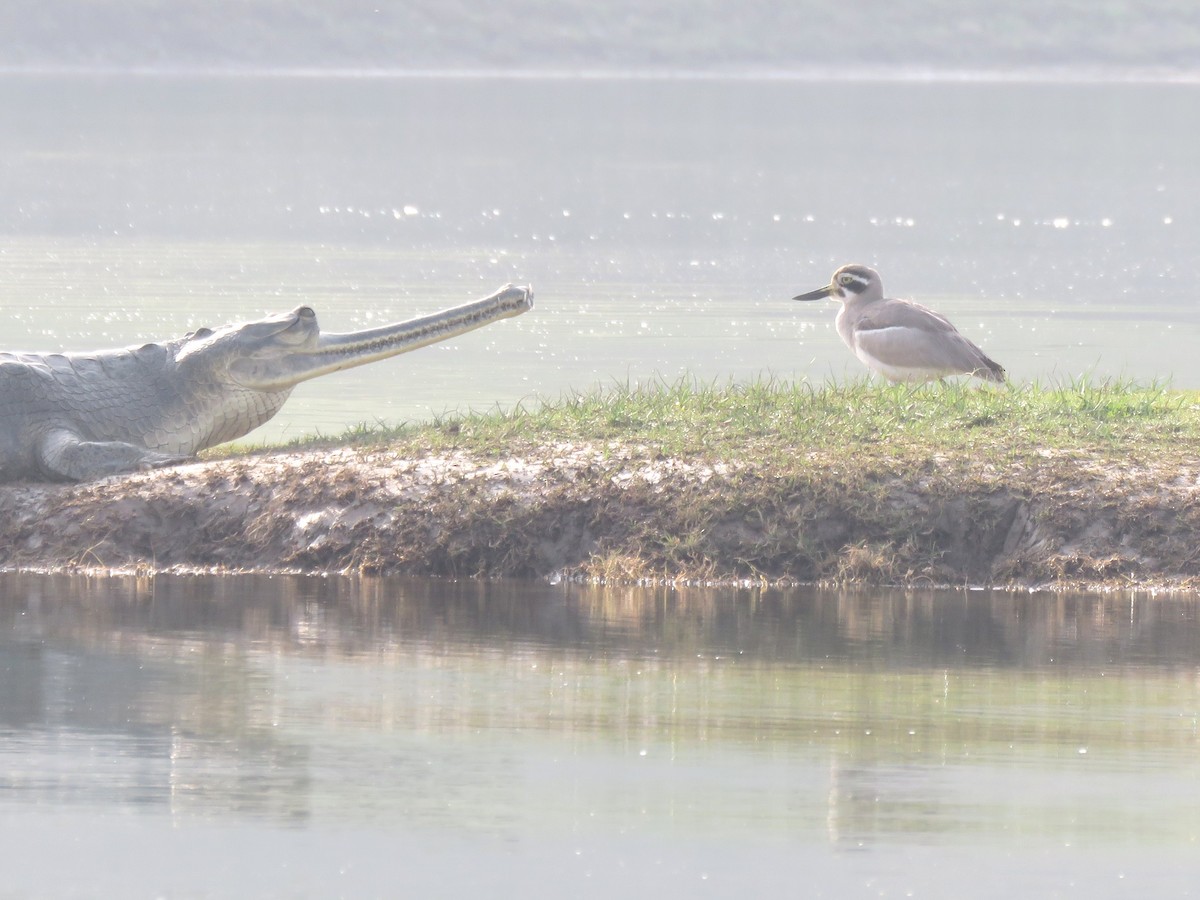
(906, 314)
(907, 335)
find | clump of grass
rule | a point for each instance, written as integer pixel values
(854, 420)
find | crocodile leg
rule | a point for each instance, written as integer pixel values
(64, 455)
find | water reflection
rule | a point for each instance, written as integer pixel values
(588, 724)
(795, 626)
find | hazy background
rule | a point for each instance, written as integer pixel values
(666, 175)
(707, 35)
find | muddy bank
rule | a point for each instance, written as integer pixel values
(625, 513)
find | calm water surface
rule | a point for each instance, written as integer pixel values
(292, 737)
(664, 224)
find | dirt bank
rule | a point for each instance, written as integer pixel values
(625, 513)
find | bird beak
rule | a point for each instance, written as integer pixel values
(817, 294)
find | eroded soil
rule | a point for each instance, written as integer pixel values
(625, 513)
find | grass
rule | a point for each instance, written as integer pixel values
(861, 420)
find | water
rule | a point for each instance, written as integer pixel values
(665, 224)
(318, 737)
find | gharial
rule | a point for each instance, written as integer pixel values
(80, 416)
(899, 339)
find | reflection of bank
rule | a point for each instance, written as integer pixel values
(793, 625)
(347, 615)
(853, 715)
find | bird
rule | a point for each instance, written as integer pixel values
(900, 339)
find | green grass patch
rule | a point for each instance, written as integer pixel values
(862, 419)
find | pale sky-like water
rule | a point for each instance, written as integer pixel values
(664, 224)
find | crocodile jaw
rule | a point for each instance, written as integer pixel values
(286, 366)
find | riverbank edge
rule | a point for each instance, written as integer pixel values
(627, 514)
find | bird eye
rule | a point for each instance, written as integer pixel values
(845, 278)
